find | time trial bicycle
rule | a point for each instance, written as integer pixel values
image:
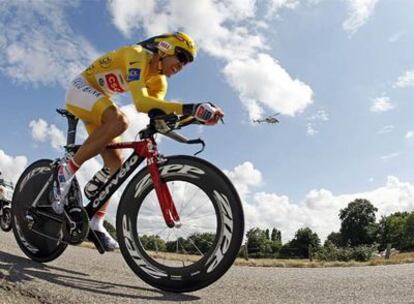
(179, 221)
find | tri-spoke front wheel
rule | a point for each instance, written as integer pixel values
(197, 250)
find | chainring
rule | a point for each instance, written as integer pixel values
(76, 226)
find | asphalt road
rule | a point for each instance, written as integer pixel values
(82, 275)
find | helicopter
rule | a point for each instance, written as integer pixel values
(269, 119)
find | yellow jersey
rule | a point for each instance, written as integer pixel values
(127, 69)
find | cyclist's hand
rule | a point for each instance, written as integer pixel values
(207, 113)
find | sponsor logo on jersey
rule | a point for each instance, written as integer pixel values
(113, 83)
(134, 74)
(105, 62)
(80, 84)
(89, 70)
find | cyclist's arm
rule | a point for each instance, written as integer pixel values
(143, 101)
(157, 86)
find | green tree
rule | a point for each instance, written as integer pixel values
(358, 223)
(409, 233)
(256, 240)
(178, 246)
(200, 243)
(267, 232)
(335, 238)
(391, 229)
(298, 247)
(276, 235)
(259, 246)
(153, 243)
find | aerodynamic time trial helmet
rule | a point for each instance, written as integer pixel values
(177, 43)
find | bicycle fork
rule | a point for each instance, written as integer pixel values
(169, 211)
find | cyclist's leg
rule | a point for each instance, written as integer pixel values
(104, 122)
(113, 123)
(113, 161)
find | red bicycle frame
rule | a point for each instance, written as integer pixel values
(147, 149)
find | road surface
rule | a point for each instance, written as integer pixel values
(82, 275)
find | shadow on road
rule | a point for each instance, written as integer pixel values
(19, 270)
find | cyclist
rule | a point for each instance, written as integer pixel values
(141, 69)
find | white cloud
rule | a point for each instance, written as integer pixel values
(409, 134)
(406, 80)
(320, 208)
(386, 129)
(381, 104)
(253, 77)
(315, 120)
(276, 5)
(37, 45)
(42, 132)
(310, 130)
(244, 176)
(12, 166)
(396, 36)
(127, 13)
(359, 13)
(321, 115)
(390, 156)
(231, 31)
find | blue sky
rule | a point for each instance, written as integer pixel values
(341, 73)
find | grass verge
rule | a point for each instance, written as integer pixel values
(401, 258)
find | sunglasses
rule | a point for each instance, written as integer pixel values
(182, 57)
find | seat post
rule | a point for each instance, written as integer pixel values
(71, 136)
(72, 124)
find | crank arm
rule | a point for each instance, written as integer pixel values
(95, 240)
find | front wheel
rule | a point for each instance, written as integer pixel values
(6, 219)
(202, 247)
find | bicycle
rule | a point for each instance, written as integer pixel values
(195, 200)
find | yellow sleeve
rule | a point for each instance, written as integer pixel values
(144, 102)
(157, 86)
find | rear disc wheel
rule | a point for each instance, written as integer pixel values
(38, 247)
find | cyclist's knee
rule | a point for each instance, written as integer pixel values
(116, 119)
(121, 122)
(124, 122)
